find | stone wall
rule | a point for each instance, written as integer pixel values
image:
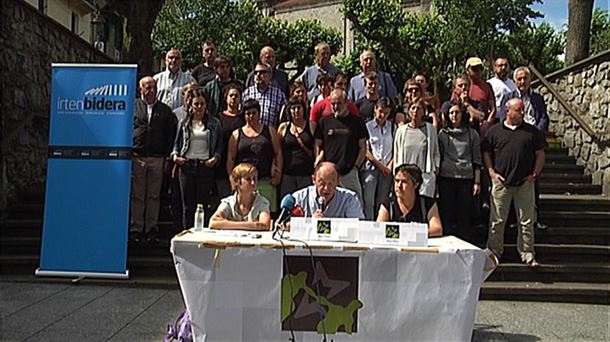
(30, 42)
(586, 87)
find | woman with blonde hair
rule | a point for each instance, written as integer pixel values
(245, 209)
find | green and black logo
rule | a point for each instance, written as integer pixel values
(334, 308)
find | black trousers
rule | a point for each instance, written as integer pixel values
(456, 207)
(198, 187)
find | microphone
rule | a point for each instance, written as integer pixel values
(321, 201)
(287, 205)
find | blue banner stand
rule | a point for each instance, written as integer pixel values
(86, 214)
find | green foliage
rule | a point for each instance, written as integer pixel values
(239, 30)
(537, 44)
(600, 31)
(441, 41)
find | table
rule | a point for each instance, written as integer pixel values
(232, 284)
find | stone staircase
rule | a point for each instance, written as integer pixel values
(574, 251)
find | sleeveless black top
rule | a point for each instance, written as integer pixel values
(257, 151)
(296, 161)
(418, 214)
(228, 124)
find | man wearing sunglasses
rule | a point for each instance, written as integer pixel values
(270, 97)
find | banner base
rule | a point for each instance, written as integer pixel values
(81, 275)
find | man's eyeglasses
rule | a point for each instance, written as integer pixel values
(260, 72)
(413, 90)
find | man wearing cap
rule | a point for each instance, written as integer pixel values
(480, 90)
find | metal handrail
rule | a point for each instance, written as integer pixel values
(597, 136)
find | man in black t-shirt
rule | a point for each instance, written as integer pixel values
(366, 104)
(513, 151)
(341, 139)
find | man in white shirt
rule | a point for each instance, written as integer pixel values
(501, 84)
(171, 81)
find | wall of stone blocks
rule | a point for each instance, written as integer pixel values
(30, 42)
(588, 91)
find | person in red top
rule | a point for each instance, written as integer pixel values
(481, 91)
(324, 107)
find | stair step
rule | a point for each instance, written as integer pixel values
(559, 202)
(569, 188)
(585, 272)
(592, 293)
(564, 178)
(137, 265)
(561, 168)
(559, 159)
(33, 228)
(31, 245)
(561, 253)
(576, 219)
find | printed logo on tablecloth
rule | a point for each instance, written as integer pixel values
(325, 300)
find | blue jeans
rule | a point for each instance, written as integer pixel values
(375, 188)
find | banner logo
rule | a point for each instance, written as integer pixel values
(107, 99)
(326, 300)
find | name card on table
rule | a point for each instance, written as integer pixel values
(329, 229)
(409, 234)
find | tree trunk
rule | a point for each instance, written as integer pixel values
(580, 13)
(140, 17)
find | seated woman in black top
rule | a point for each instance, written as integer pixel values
(407, 205)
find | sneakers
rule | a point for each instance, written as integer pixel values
(135, 237)
(153, 237)
(533, 263)
(541, 226)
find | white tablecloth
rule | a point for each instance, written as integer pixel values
(231, 285)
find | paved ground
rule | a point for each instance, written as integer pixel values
(62, 311)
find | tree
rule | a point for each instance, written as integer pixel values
(580, 13)
(140, 18)
(539, 45)
(438, 42)
(239, 30)
(600, 31)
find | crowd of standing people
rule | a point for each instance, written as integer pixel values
(212, 139)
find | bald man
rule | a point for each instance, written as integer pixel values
(154, 128)
(341, 138)
(279, 77)
(171, 80)
(325, 199)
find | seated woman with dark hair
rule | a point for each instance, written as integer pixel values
(245, 209)
(407, 205)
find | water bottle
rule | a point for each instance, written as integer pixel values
(199, 218)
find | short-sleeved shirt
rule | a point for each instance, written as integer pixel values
(310, 76)
(419, 212)
(272, 99)
(386, 86)
(340, 138)
(228, 207)
(169, 87)
(202, 74)
(324, 108)
(513, 151)
(380, 142)
(481, 91)
(366, 108)
(345, 203)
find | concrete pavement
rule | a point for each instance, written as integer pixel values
(57, 310)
